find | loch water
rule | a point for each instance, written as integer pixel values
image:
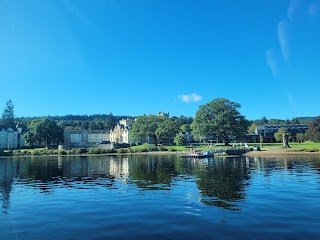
(159, 197)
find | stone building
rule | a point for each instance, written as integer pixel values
(121, 132)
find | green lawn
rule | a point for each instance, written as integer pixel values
(293, 145)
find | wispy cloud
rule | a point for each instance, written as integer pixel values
(193, 97)
(283, 30)
(314, 9)
(273, 61)
(276, 58)
(293, 8)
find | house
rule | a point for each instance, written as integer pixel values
(268, 131)
(11, 137)
(85, 137)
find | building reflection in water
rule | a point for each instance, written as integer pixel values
(221, 181)
(7, 174)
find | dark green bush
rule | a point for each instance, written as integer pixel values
(63, 152)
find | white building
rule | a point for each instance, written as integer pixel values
(11, 137)
(121, 132)
(85, 137)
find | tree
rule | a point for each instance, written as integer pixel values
(185, 128)
(252, 127)
(261, 140)
(167, 130)
(313, 133)
(146, 126)
(44, 132)
(278, 136)
(300, 137)
(8, 114)
(219, 119)
(180, 139)
(284, 133)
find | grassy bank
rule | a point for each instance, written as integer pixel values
(148, 148)
(295, 147)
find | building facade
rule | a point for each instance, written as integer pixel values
(85, 137)
(163, 114)
(268, 131)
(11, 137)
(121, 132)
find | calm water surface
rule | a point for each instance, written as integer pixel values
(159, 197)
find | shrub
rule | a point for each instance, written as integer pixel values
(121, 150)
(82, 151)
(35, 152)
(313, 150)
(16, 152)
(162, 148)
(62, 152)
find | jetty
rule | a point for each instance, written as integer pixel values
(198, 154)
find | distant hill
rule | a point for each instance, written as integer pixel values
(306, 120)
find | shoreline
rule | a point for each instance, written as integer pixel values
(277, 152)
(264, 152)
(102, 154)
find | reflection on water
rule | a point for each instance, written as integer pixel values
(166, 189)
(222, 181)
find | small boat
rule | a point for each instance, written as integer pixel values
(198, 154)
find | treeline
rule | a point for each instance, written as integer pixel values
(89, 122)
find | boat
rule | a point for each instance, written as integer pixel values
(198, 154)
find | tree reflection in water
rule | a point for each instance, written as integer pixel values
(221, 181)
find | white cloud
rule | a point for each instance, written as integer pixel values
(193, 97)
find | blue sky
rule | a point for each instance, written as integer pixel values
(134, 57)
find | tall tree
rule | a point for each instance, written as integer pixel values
(8, 114)
(284, 133)
(146, 126)
(44, 132)
(221, 119)
(278, 136)
(185, 128)
(300, 137)
(167, 130)
(313, 132)
(180, 139)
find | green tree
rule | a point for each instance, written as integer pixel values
(284, 132)
(8, 114)
(301, 137)
(180, 139)
(278, 136)
(44, 132)
(313, 133)
(167, 130)
(221, 119)
(146, 126)
(252, 127)
(185, 128)
(261, 140)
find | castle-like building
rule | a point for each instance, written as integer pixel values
(121, 132)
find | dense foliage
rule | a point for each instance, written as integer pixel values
(44, 132)
(313, 133)
(7, 118)
(220, 119)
